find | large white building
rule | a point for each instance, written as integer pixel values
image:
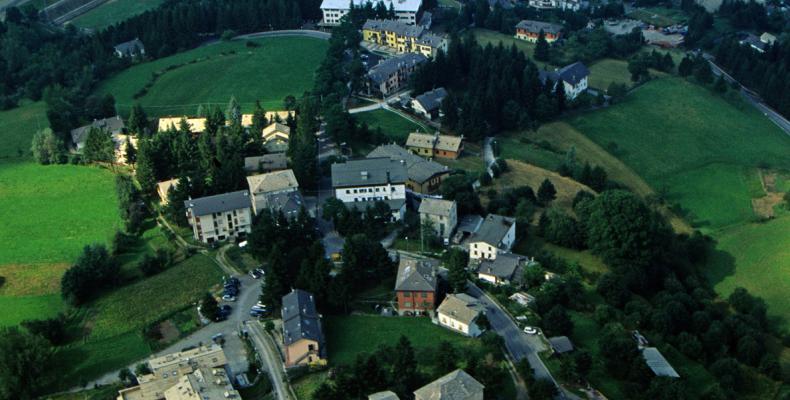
(219, 217)
(405, 10)
(361, 183)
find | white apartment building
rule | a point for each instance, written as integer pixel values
(220, 217)
(361, 183)
(405, 10)
(496, 235)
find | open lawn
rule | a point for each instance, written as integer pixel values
(486, 36)
(115, 321)
(348, 336)
(393, 125)
(607, 71)
(17, 127)
(659, 16)
(213, 73)
(589, 263)
(523, 174)
(755, 256)
(305, 386)
(669, 128)
(53, 211)
(114, 11)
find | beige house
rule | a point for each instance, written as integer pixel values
(196, 374)
(303, 338)
(220, 217)
(246, 119)
(264, 186)
(459, 312)
(276, 137)
(496, 235)
(163, 189)
(442, 214)
(453, 386)
(437, 145)
(196, 125)
(119, 141)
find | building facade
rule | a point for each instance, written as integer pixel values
(264, 186)
(416, 286)
(406, 11)
(459, 312)
(444, 146)
(573, 78)
(401, 37)
(303, 337)
(392, 74)
(365, 181)
(220, 217)
(441, 214)
(529, 30)
(423, 176)
(496, 235)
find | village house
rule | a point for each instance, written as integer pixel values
(219, 217)
(199, 373)
(363, 182)
(405, 10)
(303, 338)
(657, 363)
(403, 38)
(444, 146)
(163, 190)
(423, 176)
(560, 344)
(503, 270)
(132, 48)
(459, 312)
(266, 163)
(275, 137)
(529, 30)
(495, 235)
(759, 44)
(428, 103)
(573, 78)
(196, 125)
(113, 125)
(392, 74)
(416, 286)
(275, 191)
(453, 386)
(441, 214)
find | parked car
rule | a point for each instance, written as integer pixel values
(229, 297)
(231, 291)
(530, 330)
(217, 338)
(255, 274)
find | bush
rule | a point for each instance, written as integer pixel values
(53, 329)
(94, 270)
(228, 35)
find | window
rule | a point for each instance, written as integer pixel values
(407, 304)
(424, 295)
(311, 347)
(348, 191)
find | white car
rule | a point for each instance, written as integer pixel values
(228, 297)
(530, 330)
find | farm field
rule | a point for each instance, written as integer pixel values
(267, 73)
(114, 11)
(348, 336)
(18, 125)
(394, 126)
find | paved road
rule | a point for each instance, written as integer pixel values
(271, 360)
(288, 32)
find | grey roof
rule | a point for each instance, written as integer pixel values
(266, 162)
(300, 318)
(394, 204)
(381, 72)
(470, 223)
(436, 206)
(426, 20)
(457, 385)
(657, 363)
(537, 26)
(561, 344)
(368, 172)
(131, 47)
(754, 41)
(431, 39)
(504, 266)
(113, 125)
(461, 307)
(288, 202)
(390, 25)
(493, 229)
(219, 203)
(386, 395)
(416, 275)
(418, 169)
(432, 99)
(573, 73)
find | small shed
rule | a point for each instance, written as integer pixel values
(561, 344)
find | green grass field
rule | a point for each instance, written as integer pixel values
(114, 11)
(53, 211)
(659, 16)
(394, 126)
(213, 73)
(348, 336)
(670, 128)
(17, 127)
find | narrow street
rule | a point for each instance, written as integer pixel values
(271, 360)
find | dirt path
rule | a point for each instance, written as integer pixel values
(764, 206)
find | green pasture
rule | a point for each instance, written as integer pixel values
(17, 127)
(275, 68)
(393, 125)
(114, 11)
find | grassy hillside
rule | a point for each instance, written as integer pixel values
(214, 73)
(17, 127)
(682, 137)
(114, 11)
(397, 128)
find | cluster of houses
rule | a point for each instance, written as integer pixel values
(401, 37)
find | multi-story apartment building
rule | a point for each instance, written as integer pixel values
(219, 217)
(442, 214)
(402, 37)
(392, 74)
(423, 176)
(276, 191)
(361, 183)
(529, 30)
(405, 10)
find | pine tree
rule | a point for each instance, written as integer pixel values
(233, 112)
(99, 146)
(131, 152)
(542, 47)
(457, 275)
(146, 167)
(138, 121)
(546, 192)
(686, 67)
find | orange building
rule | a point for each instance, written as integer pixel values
(530, 30)
(415, 286)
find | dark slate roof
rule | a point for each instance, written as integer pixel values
(457, 385)
(288, 202)
(219, 203)
(131, 47)
(416, 275)
(113, 125)
(266, 162)
(536, 26)
(388, 67)
(469, 223)
(493, 229)
(368, 172)
(418, 169)
(504, 266)
(754, 41)
(390, 25)
(572, 73)
(300, 318)
(657, 363)
(561, 344)
(431, 100)
(394, 204)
